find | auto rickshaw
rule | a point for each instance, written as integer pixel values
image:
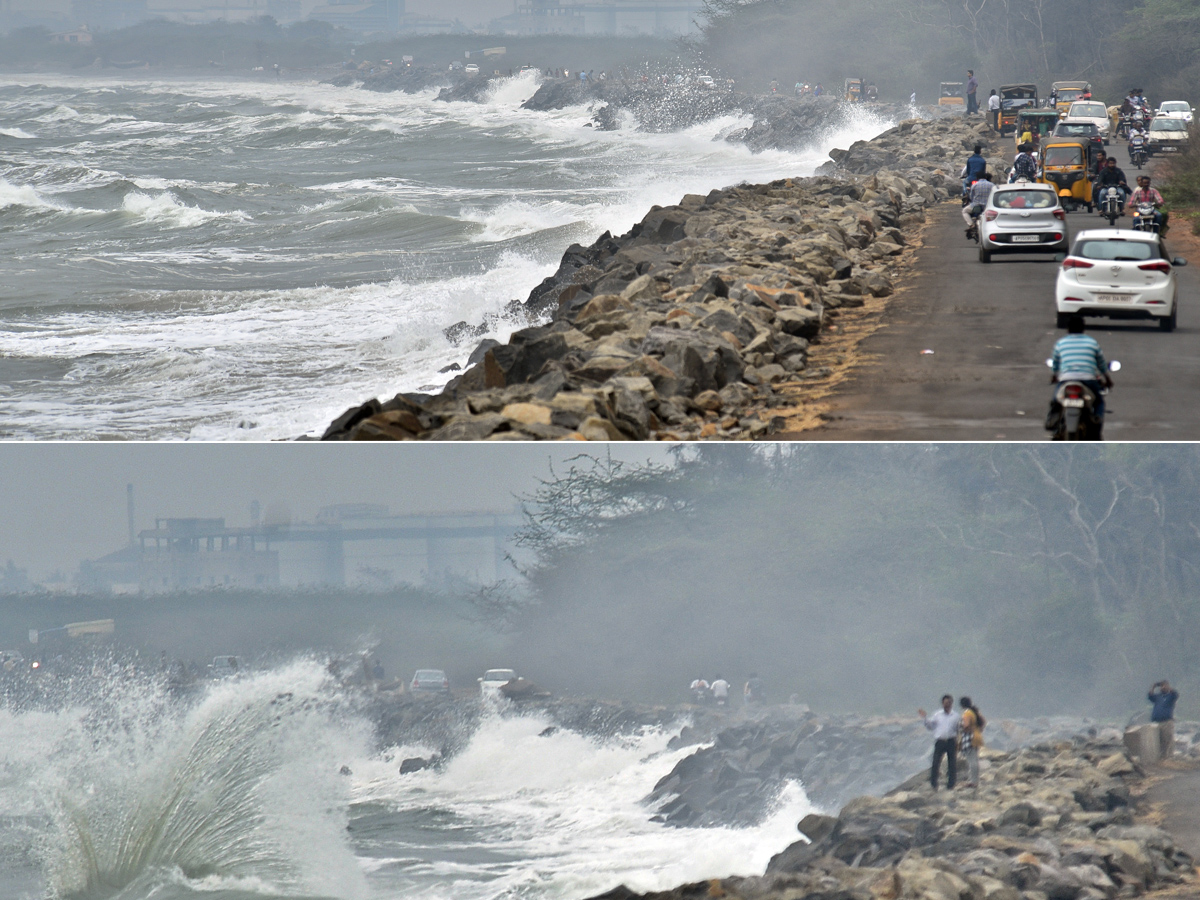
(1013, 99)
(1065, 93)
(1066, 167)
(854, 90)
(952, 93)
(1038, 122)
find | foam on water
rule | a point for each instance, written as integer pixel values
(165, 210)
(23, 195)
(559, 815)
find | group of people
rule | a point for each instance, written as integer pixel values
(955, 735)
(718, 690)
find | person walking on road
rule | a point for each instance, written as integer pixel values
(970, 738)
(1163, 714)
(944, 724)
(972, 88)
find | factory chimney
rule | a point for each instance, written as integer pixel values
(129, 511)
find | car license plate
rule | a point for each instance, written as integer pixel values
(1168, 149)
(1114, 298)
(1073, 403)
(1026, 238)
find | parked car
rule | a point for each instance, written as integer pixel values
(471, 69)
(705, 81)
(1090, 111)
(224, 667)
(1175, 109)
(431, 681)
(493, 680)
(1024, 217)
(1166, 136)
(1119, 274)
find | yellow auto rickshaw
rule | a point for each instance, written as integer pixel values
(952, 93)
(1066, 166)
(854, 90)
(1013, 99)
(1064, 93)
(1038, 123)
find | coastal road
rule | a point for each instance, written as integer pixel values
(991, 328)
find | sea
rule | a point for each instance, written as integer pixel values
(223, 259)
(276, 785)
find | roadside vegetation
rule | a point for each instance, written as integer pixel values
(1181, 185)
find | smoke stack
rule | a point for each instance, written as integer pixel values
(129, 510)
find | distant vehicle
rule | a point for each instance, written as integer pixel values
(952, 93)
(1083, 111)
(224, 667)
(471, 69)
(1166, 136)
(493, 680)
(430, 680)
(1175, 109)
(455, 66)
(1067, 92)
(525, 69)
(1013, 99)
(1119, 274)
(11, 661)
(406, 61)
(1023, 217)
(705, 81)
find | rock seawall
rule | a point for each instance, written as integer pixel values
(692, 324)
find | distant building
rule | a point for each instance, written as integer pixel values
(361, 15)
(665, 18)
(197, 11)
(80, 35)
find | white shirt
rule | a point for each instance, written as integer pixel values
(944, 725)
(994, 102)
(720, 688)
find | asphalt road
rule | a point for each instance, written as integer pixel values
(991, 328)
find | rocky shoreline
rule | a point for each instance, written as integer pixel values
(697, 322)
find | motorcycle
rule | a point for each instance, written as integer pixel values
(1145, 218)
(1137, 154)
(1112, 203)
(1073, 415)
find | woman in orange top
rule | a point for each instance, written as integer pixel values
(970, 739)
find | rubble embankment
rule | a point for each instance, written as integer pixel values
(1054, 820)
(695, 323)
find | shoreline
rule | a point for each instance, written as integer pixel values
(709, 318)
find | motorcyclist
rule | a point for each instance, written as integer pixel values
(1147, 194)
(981, 190)
(1111, 175)
(1024, 165)
(1077, 357)
(975, 167)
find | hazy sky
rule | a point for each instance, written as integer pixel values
(62, 503)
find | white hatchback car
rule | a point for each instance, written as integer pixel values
(1120, 274)
(1175, 109)
(493, 680)
(1166, 136)
(1023, 217)
(1090, 111)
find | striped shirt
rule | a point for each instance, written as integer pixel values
(1078, 357)
(980, 191)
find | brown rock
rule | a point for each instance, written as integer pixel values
(709, 400)
(602, 305)
(594, 428)
(527, 413)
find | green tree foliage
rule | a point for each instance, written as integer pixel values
(1042, 578)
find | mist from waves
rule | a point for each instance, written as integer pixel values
(229, 260)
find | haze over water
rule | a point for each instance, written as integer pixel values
(224, 260)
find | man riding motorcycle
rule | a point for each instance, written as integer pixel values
(1024, 165)
(981, 190)
(1077, 357)
(974, 169)
(1111, 176)
(1147, 194)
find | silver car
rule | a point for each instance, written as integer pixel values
(1024, 217)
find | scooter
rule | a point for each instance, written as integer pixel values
(1145, 219)
(1072, 415)
(1112, 203)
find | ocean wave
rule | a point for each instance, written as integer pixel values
(23, 195)
(18, 133)
(164, 209)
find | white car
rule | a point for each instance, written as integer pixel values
(1090, 111)
(1175, 109)
(471, 69)
(1024, 217)
(493, 680)
(1120, 274)
(1166, 136)
(705, 81)
(224, 667)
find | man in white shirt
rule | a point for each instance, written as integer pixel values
(720, 691)
(994, 110)
(944, 724)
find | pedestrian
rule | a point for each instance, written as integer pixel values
(912, 99)
(1163, 714)
(972, 87)
(720, 690)
(944, 725)
(970, 738)
(699, 689)
(753, 690)
(994, 109)
(818, 90)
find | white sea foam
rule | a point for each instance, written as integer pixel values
(165, 210)
(26, 196)
(19, 133)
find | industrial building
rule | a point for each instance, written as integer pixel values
(350, 545)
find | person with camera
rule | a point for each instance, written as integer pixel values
(1163, 714)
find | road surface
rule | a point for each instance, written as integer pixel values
(991, 328)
